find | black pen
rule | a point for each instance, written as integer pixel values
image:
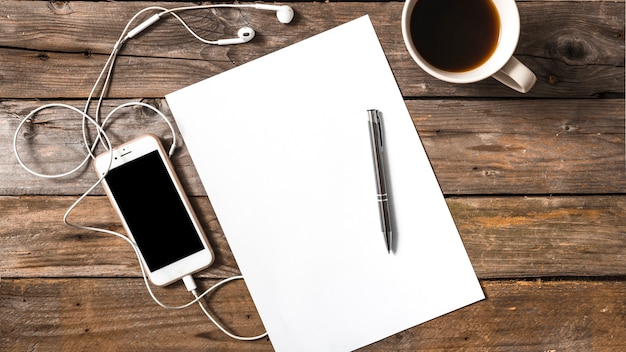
(376, 136)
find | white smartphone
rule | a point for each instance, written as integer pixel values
(146, 193)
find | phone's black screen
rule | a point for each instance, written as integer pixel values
(153, 211)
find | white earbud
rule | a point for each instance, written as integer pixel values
(284, 13)
(244, 35)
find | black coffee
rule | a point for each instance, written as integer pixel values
(455, 35)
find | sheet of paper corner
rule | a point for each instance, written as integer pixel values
(282, 147)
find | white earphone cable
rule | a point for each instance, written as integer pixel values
(102, 138)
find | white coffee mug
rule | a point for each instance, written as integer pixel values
(501, 65)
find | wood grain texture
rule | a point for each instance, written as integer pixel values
(576, 49)
(475, 146)
(114, 314)
(118, 315)
(36, 242)
(505, 237)
(543, 236)
(536, 183)
(524, 147)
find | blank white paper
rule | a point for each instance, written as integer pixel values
(282, 148)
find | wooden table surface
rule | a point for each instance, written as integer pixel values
(536, 182)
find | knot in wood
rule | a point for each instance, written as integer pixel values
(569, 127)
(552, 79)
(60, 7)
(572, 49)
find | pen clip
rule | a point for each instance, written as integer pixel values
(377, 128)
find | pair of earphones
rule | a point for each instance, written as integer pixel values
(284, 14)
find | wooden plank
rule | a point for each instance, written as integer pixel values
(505, 237)
(524, 147)
(36, 242)
(118, 314)
(576, 49)
(543, 236)
(527, 316)
(53, 144)
(475, 146)
(114, 314)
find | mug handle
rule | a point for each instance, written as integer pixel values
(516, 75)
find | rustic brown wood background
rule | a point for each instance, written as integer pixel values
(536, 183)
